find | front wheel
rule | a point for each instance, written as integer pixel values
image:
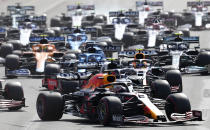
(177, 103)
(14, 91)
(108, 108)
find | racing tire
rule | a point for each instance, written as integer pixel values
(1, 85)
(17, 46)
(49, 106)
(52, 69)
(55, 23)
(204, 73)
(107, 107)
(128, 39)
(203, 58)
(14, 91)
(177, 103)
(69, 86)
(97, 20)
(174, 78)
(179, 21)
(5, 50)
(17, 52)
(160, 89)
(12, 62)
(186, 33)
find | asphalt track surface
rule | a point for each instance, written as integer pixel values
(196, 87)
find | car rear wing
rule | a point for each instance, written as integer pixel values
(14, 8)
(93, 31)
(185, 39)
(50, 39)
(67, 30)
(194, 3)
(132, 53)
(111, 48)
(32, 19)
(84, 7)
(126, 14)
(90, 29)
(150, 3)
(88, 65)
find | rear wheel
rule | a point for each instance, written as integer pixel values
(50, 106)
(128, 39)
(5, 50)
(55, 23)
(177, 103)
(52, 69)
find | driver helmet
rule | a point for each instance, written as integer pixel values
(44, 41)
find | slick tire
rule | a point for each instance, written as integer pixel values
(160, 89)
(128, 39)
(54, 23)
(14, 91)
(5, 50)
(177, 103)
(97, 20)
(174, 78)
(17, 46)
(52, 69)
(49, 106)
(107, 107)
(17, 52)
(1, 85)
(203, 58)
(12, 62)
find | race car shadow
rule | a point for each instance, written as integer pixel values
(128, 124)
(139, 125)
(81, 121)
(6, 110)
(200, 74)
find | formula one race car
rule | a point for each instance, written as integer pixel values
(151, 35)
(12, 96)
(18, 13)
(119, 22)
(78, 15)
(198, 17)
(183, 53)
(148, 8)
(113, 103)
(32, 62)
